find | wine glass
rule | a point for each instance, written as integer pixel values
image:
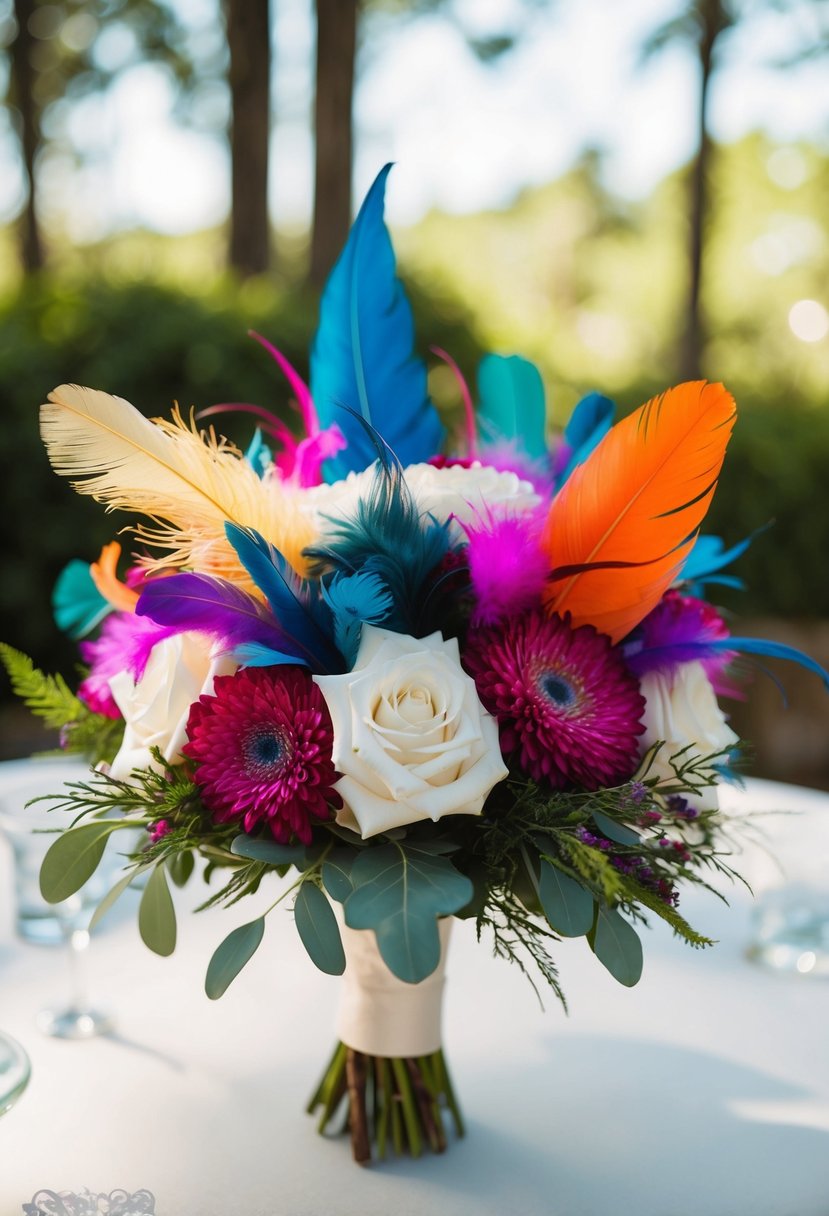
(27, 829)
(14, 1071)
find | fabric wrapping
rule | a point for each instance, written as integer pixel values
(381, 1015)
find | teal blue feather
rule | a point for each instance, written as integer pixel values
(295, 603)
(388, 537)
(258, 455)
(77, 603)
(589, 423)
(362, 357)
(355, 600)
(511, 404)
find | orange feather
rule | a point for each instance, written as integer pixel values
(621, 527)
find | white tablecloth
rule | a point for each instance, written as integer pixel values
(703, 1091)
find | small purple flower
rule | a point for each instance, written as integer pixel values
(158, 830)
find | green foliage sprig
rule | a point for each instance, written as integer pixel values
(83, 732)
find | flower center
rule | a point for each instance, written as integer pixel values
(265, 750)
(556, 689)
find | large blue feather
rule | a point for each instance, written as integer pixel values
(589, 423)
(511, 403)
(76, 602)
(295, 603)
(215, 607)
(362, 356)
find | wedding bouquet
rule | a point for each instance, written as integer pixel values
(416, 686)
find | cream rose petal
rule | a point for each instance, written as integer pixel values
(411, 737)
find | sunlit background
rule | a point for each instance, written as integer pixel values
(559, 191)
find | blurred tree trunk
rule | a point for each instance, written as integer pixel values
(249, 42)
(22, 79)
(712, 21)
(336, 50)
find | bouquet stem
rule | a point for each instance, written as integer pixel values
(402, 1099)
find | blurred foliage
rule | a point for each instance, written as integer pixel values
(587, 285)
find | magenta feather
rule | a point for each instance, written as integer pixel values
(507, 568)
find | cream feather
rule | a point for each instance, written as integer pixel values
(188, 482)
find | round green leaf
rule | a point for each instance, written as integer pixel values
(156, 914)
(268, 851)
(231, 956)
(617, 832)
(114, 894)
(567, 905)
(72, 860)
(617, 946)
(317, 927)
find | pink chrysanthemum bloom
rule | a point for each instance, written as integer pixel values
(262, 745)
(565, 702)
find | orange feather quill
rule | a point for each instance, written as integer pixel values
(621, 527)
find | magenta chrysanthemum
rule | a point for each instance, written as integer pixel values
(262, 745)
(567, 706)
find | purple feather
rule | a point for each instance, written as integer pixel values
(680, 629)
(212, 606)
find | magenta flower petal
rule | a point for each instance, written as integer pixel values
(566, 704)
(262, 745)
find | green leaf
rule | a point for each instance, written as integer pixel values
(399, 892)
(617, 946)
(180, 866)
(156, 914)
(525, 882)
(231, 956)
(615, 831)
(567, 905)
(72, 860)
(336, 874)
(317, 927)
(268, 851)
(114, 894)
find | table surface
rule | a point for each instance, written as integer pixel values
(704, 1090)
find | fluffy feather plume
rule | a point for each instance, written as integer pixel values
(189, 483)
(622, 526)
(507, 567)
(390, 538)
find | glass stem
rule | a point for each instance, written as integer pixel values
(77, 942)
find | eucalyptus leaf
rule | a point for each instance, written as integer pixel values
(617, 946)
(72, 860)
(156, 914)
(231, 955)
(180, 866)
(336, 874)
(400, 892)
(525, 882)
(114, 894)
(268, 851)
(617, 832)
(317, 927)
(567, 905)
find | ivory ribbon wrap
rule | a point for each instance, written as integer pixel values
(381, 1015)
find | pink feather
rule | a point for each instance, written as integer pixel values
(507, 567)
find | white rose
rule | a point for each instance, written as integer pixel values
(157, 707)
(454, 492)
(681, 710)
(411, 738)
